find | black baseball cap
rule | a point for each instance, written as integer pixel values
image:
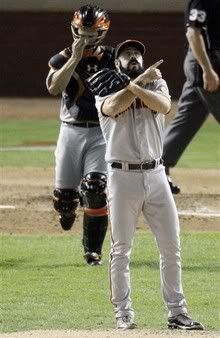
(129, 43)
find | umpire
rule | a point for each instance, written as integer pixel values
(201, 91)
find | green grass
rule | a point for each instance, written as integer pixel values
(46, 285)
(28, 132)
(203, 152)
(40, 159)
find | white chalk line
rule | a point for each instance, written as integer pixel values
(198, 214)
(180, 213)
(7, 207)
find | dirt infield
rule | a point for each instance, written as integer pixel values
(111, 334)
(26, 196)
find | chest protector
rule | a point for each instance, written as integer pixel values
(77, 92)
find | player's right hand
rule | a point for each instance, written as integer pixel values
(78, 47)
(152, 73)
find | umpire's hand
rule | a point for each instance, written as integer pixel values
(211, 80)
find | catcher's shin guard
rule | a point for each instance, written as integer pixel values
(65, 201)
(94, 231)
(95, 221)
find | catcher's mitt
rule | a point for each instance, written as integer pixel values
(107, 81)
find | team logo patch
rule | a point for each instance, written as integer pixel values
(196, 15)
(92, 68)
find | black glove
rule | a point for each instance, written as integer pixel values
(107, 81)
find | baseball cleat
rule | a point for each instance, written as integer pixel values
(183, 322)
(174, 188)
(93, 259)
(67, 220)
(126, 323)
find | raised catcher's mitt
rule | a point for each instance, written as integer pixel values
(107, 81)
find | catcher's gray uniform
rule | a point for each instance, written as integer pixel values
(80, 171)
(79, 151)
(132, 138)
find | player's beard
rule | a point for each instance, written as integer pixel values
(133, 72)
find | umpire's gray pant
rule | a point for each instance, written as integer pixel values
(193, 108)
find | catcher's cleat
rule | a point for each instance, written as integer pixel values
(174, 188)
(93, 259)
(67, 220)
(183, 322)
(125, 323)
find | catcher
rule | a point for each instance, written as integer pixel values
(132, 104)
(80, 172)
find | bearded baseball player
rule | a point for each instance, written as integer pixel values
(80, 172)
(132, 104)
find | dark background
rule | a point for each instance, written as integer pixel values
(29, 39)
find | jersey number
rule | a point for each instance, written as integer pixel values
(196, 15)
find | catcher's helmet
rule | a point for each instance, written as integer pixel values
(91, 22)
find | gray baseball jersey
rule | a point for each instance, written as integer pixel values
(80, 150)
(137, 135)
(133, 137)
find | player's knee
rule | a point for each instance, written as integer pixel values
(65, 200)
(93, 194)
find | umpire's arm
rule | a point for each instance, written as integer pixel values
(197, 44)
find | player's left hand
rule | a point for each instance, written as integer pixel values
(107, 81)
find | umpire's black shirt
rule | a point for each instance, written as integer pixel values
(205, 14)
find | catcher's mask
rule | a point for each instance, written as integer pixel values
(91, 22)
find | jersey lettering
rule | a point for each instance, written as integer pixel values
(196, 15)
